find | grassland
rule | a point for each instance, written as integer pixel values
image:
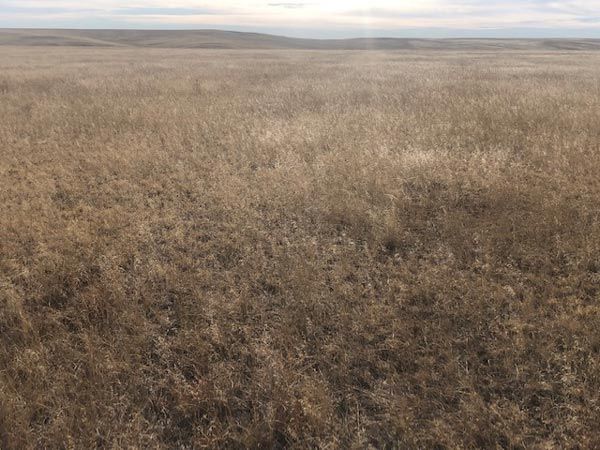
(205, 249)
(219, 39)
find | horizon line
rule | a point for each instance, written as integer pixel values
(356, 37)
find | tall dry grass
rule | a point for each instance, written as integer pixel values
(301, 249)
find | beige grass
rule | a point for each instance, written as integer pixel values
(206, 249)
(218, 39)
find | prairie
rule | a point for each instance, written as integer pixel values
(235, 40)
(303, 249)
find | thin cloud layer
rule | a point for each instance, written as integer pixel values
(315, 17)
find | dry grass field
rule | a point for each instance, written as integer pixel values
(266, 249)
(219, 39)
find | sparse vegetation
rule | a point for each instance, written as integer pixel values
(306, 249)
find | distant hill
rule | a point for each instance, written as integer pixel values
(237, 40)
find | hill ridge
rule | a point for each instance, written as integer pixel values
(224, 39)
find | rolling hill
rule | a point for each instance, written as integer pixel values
(218, 39)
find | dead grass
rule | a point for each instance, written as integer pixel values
(232, 40)
(332, 250)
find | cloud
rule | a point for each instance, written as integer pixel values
(288, 5)
(41, 10)
(140, 11)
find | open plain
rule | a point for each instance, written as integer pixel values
(274, 248)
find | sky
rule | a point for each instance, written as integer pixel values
(319, 18)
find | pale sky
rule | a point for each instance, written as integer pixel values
(319, 18)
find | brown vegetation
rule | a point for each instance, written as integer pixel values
(267, 249)
(218, 39)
